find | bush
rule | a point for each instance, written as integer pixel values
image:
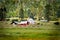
(56, 23)
(7, 19)
(15, 20)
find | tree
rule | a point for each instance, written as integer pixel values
(2, 11)
(51, 10)
(21, 14)
(47, 14)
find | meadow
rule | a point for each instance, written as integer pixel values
(42, 31)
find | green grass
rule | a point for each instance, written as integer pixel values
(47, 30)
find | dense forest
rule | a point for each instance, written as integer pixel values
(49, 9)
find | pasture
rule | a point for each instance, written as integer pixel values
(42, 31)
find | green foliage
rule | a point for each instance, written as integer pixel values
(39, 8)
(52, 10)
(48, 8)
(21, 13)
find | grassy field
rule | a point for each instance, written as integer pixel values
(43, 31)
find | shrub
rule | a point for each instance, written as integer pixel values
(56, 23)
